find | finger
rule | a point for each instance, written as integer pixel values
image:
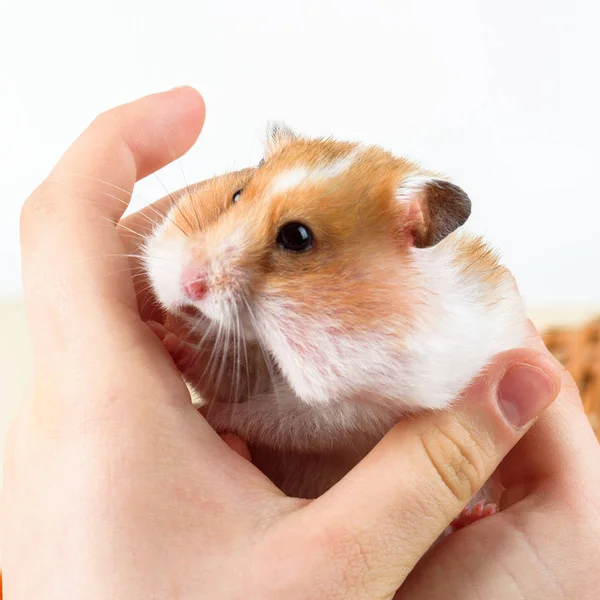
(399, 499)
(560, 448)
(535, 341)
(75, 276)
(553, 449)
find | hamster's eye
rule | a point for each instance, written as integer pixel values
(295, 237)
(236, 196)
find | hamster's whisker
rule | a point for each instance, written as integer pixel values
(149, 299)
(233, 388)
(210, 364)
(124, 270)
(198, 346)
(199, 222)
(224, 359)
(179, 161)
(103, 204)
(61, 182)
(162, 215)
(245, 349)
(265, 355)
(129, 194)
(198, 327)
(174, 203)
(152, 224)
(223, 350)
(141, 276)
(105, 256)
(232, 385)
(139, 257)
(241, 348)
(238, 358)
(108, 183)
(135, 233)
(139, 239)
(147, 287)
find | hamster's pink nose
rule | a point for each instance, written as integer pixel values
(194, 284)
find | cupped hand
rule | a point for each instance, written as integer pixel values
(545, 541)
(115, 486)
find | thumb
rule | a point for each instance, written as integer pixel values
(397, 501)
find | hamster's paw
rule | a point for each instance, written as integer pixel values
(472, 514)
(182, 354)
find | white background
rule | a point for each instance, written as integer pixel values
(502, 96)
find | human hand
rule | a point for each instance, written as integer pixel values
(116, 487)
(544, 542)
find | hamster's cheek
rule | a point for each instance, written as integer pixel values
(164, 260)
(303, 349)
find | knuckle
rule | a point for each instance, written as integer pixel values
(337, 559)
(570, 392)
(34, 209)
(568, 383)
(105, 122)
(458, 458)
(43, 206)
(349, 554)
(102, 116)
(100, 121)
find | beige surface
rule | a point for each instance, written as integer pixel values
(16, 368)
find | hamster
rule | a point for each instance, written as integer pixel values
(316, 299)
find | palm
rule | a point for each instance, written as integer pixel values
(518, 553)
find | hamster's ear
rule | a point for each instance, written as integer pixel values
(279, 135)
(434, 208)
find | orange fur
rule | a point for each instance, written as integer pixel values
(369, 229)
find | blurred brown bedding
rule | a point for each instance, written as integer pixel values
(578, 349)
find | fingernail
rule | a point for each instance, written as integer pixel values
(524, 392)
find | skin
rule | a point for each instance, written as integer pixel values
(115, 487)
